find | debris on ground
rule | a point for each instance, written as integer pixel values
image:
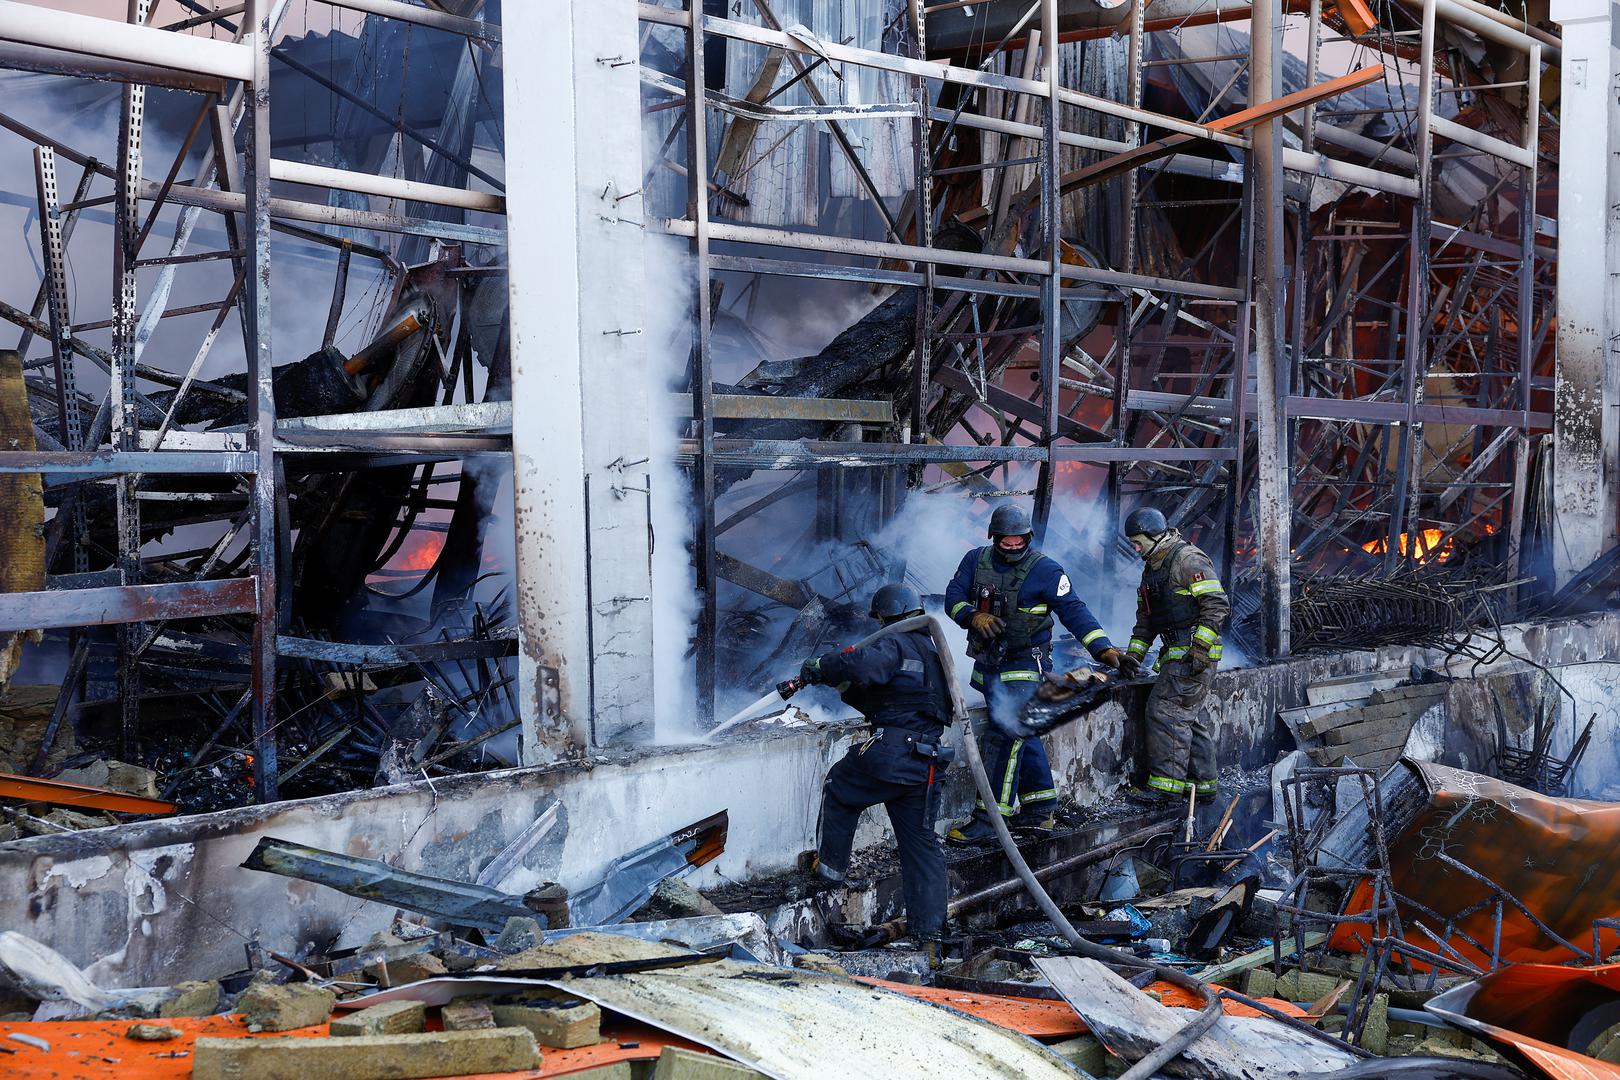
(1331, 955)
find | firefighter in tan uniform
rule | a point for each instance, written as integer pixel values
(1181, 601)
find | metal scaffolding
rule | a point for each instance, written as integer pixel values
(1122, 256)
(1331, 375)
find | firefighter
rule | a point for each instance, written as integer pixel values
(898, 684)
(1005, 596)
(1182, 602)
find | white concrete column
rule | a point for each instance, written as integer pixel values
(579, 394)
(1586, 429)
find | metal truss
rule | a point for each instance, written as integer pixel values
(1288, 352)
(228, 603)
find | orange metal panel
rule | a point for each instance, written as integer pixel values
(33, 789)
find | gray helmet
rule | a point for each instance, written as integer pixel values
(1146, 521)
(1010, 519)
(895, 601)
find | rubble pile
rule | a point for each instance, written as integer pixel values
(1345, 922)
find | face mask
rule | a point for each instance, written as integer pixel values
(1149, 544)
(1012, 557)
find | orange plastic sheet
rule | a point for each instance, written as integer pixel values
(1041, 1019)
(1542, 1015)
(85, 1049)
(1559, 857)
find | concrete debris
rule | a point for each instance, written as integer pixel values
(467, 1014)
(115, 776)
(152, 1032)
(820, 962)
(678, 1064)
(587, 948)
(563, 1023)
(518, 934)
(197, 997)
(367, 1057)
(269, 1007)
(391, 1018)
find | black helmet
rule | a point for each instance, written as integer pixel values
(1010, 519)
(1146, 521)
(895, 601)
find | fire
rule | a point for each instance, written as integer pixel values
(1431, 543)
(420, 551)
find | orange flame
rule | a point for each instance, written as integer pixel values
(420, 551)
(1431, 544)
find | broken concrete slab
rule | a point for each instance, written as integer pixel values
(367, 1057)
(1084, 1051)
(819, 962)
(676, 1063)
(196, 997)
(578, 949)
(746, 930)
(271, 1007)
(1132, 1025)
(115, 776)
(675, 899)
(410, 969)
(518, 934)
(389, 1018)
(467, 1015)
(560, 1024)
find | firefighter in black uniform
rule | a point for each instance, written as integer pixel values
(898, 684)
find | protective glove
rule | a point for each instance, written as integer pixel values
(1130, 665)
(987, 625)
(1198, 660)
(1111, 657)
(810, 670)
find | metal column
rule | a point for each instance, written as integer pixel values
(1273, 502)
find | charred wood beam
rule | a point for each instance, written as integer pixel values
(789, 593)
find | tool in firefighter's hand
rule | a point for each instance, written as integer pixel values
(1062, 699)
(788, 687)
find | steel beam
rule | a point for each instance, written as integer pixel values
(93, 37)
(1273, 504)
(266, 534)
(425, 16)
(388, 187)
(124, 604)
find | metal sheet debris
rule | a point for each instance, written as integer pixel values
(1132, 1024)
(797, 1025)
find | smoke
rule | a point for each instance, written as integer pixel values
(668, 298)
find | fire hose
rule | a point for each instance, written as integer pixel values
(1172, 1047)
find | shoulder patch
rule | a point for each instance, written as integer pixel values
(1063, 585)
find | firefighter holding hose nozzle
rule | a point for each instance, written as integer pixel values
(898, 683)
